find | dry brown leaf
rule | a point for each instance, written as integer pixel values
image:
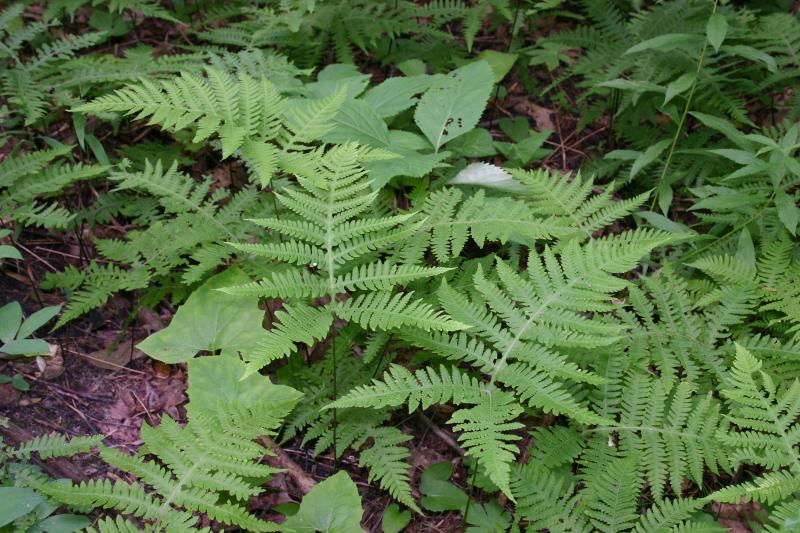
(116, 359)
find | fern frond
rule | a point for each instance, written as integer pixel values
(384, 310)
(612, 495)
(385, 460)
(422, 388)
(298, 323)
(53, 445)
(485, 433)
(450, 220)
(673, 433)
(569, 198)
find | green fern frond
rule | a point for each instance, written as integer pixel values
(485, 433)
(611, 495)
(569, 198)
(451, 220)
(97, 283)
(211, 466)
(422, 388)
(48, 446)
(385, 460)
(298, 323)
(674, 433)
(384, 310)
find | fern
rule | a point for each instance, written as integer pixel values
(326, 234)
(765, 414)
(518, 326)
(185, 235)
(248, 115)
(212, 465)
(28, 84)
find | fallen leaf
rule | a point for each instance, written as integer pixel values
(116, 359)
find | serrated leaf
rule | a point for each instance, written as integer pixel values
(648, 156)
(788, 213)
(453, 106)
(716, 29)
(678, 86)
(359, 121)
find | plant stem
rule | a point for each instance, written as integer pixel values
(685, 113)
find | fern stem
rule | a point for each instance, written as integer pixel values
(469, 497)
(735, 229)
(685, 113)
(382, 357)
(335, 396)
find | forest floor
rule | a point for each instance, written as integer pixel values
(99, 383)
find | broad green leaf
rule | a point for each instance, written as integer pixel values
(716, 29)
(218, 380)
(19, 383)
(333, 506)
(489, 518)
(10, 320)
(410, 164)
(394, 520)
(659, 221)
(476, 143)
(453, 106)
(637, 86)
(412, 67)
(753, 54)
(517, 128)
(527, 150)
(438, 493)
(648, 156)
(723, 126)
(745, 251)
(63, 523)
(332, 78)
(9, 252)
(787, 210)
(397, 94)
(501, 62)
(359, 121)
(210, 320)
(623, 155)
(665, 43)
(16, 502)
(25, 347)
(37, 320)
(742, 157)
(678, 86)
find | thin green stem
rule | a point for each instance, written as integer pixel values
(685, 113)
(469, 497)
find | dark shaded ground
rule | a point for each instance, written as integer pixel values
(75, 396)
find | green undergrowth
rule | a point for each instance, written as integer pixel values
(365, 233)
